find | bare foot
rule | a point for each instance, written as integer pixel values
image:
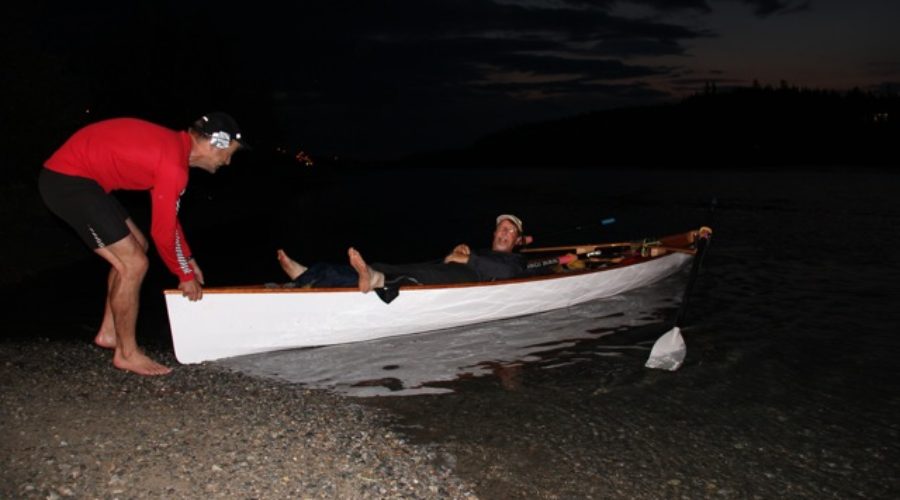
(106, 335)
(139, 363)
(368, 277)
(105, 339)
(362, 269)
(290, 266)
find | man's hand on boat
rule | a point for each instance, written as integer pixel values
(193, 289)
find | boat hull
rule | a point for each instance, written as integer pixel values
(240, 321)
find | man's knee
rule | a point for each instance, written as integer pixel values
(136, 265)
(127, 257)
(132, 267)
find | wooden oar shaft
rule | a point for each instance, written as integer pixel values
(583, 249)
(688, 251)
(674, 243)
(577, 248)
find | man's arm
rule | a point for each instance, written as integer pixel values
(165, 229)
(198, 273)
(193, 289)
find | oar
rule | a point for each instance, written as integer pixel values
(669, 350)
(578, 249)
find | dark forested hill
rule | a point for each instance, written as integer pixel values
(743, 127)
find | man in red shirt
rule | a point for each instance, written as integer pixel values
(127, 153)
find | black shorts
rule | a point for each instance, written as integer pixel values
(97, 217)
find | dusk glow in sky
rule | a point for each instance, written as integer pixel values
(384, 79)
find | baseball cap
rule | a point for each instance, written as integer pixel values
(221, 128)
(512, 218)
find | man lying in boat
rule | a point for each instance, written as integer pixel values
(462, 265)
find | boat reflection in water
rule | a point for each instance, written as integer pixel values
(427, 363)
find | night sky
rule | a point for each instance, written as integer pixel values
(382, 79)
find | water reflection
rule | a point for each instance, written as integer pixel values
(428, 363)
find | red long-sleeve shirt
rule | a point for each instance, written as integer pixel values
(132, 154)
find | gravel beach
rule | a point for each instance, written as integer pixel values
(72, 426)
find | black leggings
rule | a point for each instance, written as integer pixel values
(97, 217)
(427, 273)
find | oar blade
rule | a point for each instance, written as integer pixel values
(668, 352)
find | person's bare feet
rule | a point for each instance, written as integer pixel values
(139, 363)
(106, 335)
(290, 266)
(368, 277)
(362, 269)
(105, 339)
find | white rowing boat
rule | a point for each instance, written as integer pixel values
(235, 321)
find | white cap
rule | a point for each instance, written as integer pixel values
(512, 218)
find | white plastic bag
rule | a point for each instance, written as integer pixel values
(668, 352)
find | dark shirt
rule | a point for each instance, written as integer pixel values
(491, 265)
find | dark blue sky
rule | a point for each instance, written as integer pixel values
(387, 78)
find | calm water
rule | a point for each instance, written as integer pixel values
(800, 260)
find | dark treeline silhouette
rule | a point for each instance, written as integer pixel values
(743, 127)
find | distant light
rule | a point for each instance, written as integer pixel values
(87, 111)
(304, 158)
